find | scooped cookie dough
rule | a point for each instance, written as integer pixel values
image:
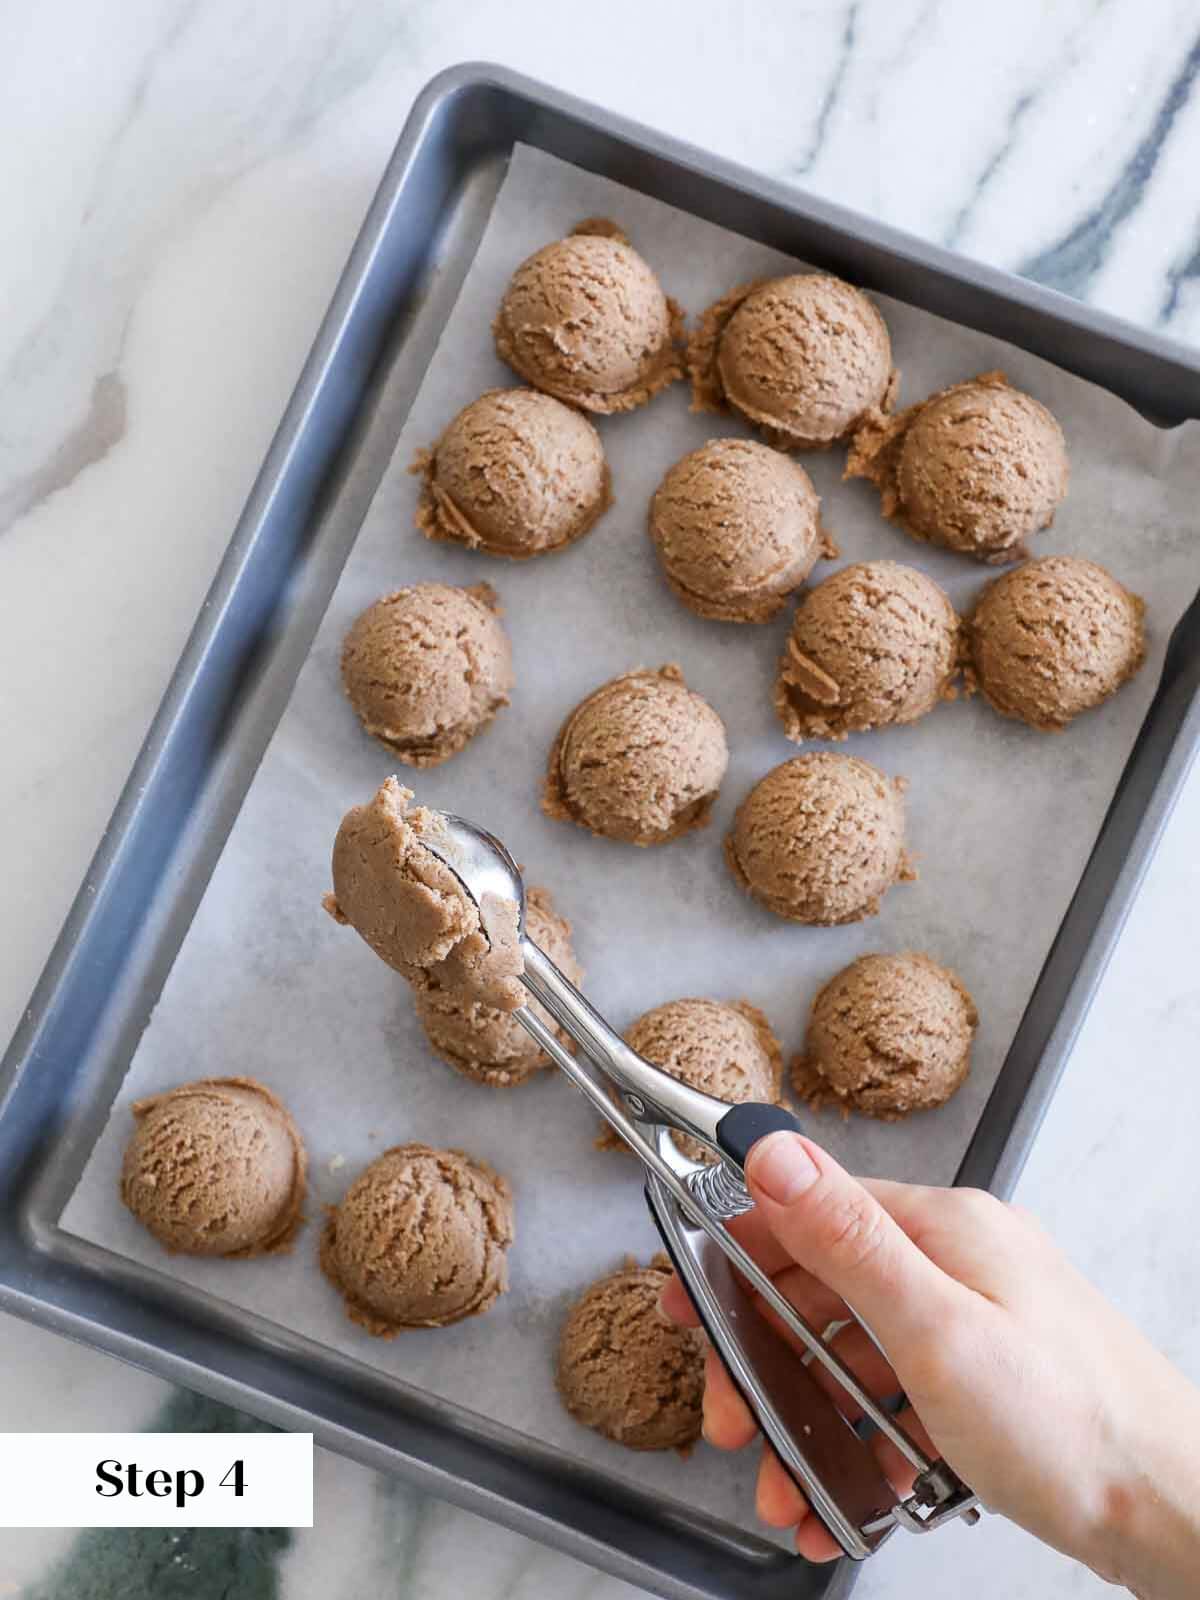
(803, 358)
(419, 1240)
(483, 1043)
(516, 473)
(427, 668)
(820, 839)
(585, 320)
(639, 760)
(1053, 639)
(889, 1035)
(627, 1372)
(724, 1048)
(400, 896)
(874, 645)
(737, 528)
(216, 1168)
(977, 468)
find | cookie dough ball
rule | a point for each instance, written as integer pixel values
(482, 1042)
(889, 1035)
(585, 319)
(391, 885)
(216, 1168)
(874, 645)
(426, 668)
(977, 468)
(639, 760)
(517, 473)
(802, 358)
(419, 1240)
(625, 1370)
(726, 1049)
(737, 528)
(820, 839)
(1054, 638)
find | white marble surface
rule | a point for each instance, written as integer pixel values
(179, 186)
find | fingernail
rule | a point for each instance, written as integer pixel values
(781, 1167)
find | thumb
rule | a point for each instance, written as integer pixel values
(832, 1226)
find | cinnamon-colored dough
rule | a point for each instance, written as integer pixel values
(1054, 638)
(889, 1035)
(516, 473)
(979, 467)
(586, 320)
(426, 668)
(820, 839)
(406, 903)
(487, 1044)
(627, 1372)
(640, 760)
(737, 527)
(803, 358)
(875, 645)
(216, 1168)
(419, 1240)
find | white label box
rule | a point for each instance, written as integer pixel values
(156, 1480)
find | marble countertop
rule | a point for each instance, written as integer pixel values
(183, 181)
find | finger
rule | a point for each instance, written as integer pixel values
(675, 1303)
(753, 1232)
(839, 1232)
(911, 1204)
(975, 1238)
(815, 1542)
(781, 1503)
(778, 1498)
(728, 1423)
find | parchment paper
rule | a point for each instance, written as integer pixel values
(1001, 819)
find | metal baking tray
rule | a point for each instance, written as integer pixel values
(69, 1056)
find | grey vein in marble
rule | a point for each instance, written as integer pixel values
(845, 56)
(1072, 264)
(1178, 279)
(1066, 59)
(89, 440)
(62, 348)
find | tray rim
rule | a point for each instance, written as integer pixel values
(22, 1253)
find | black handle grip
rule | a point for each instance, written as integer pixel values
(745, 1125)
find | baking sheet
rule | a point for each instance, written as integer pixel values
(1000, 818)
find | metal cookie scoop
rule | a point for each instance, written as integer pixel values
(691, 1202)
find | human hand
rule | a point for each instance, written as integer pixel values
(1038, 1393)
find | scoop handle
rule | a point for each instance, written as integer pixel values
(746, 1124)
(651, 1095)
(835, 1468)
